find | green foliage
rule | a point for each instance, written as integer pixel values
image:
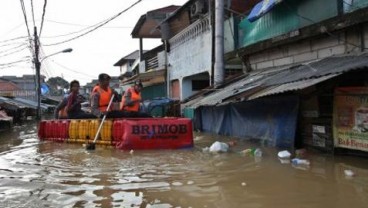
(56, 85)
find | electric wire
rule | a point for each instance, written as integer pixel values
(45, 66)
(29, 34)
(25, 18)
(13, 52)
(33, 17)
(75, 71)
(80, 25)
(14, 62)
(6, 45)
(43, 16)
(14, 65)
(17, 38)
(10, 49)
(98, 26)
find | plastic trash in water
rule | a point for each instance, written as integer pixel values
(246, 152)
(297, 161)
(300, 153)
(284, 161)
(252, 151)
(219, 147)
(257, 152)
(206, 149)
(284, 154)
(349, 173)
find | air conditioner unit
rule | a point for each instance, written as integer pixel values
(197, 8)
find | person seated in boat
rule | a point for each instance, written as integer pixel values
(70, 107)
(131, 100)
(101, 96)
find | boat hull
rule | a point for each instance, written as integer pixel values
(125, 134)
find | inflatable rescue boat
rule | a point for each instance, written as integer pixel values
(126, 134)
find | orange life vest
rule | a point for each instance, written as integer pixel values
(105, 97)
(134, 96)
(63, 113)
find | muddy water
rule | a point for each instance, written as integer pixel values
(34, 173)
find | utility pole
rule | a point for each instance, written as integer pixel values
(37, 63)
(38, 76)
(219, 43)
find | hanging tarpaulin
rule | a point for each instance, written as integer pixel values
(261, 9)
(44, 89)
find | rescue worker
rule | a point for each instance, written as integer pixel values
(101, 96)
(70, 107)
(130, 103)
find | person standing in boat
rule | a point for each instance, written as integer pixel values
(130, 103)
(101, 96)
(70, 107)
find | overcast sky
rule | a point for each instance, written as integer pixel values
(92, 54)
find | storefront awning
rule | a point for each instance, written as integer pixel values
(261, 9)
(148, 78)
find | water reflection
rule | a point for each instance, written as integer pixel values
(35, 173)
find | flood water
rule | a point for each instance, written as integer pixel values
(37, 173)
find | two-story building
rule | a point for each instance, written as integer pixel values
(294, 72)
(23, 86)
(305, 72)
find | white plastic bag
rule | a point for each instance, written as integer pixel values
(219, 147)
(284, 154)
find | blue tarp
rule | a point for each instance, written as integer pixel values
(44, 89)
(271, 119)
(261, 9)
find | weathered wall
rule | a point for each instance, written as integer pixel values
(312, 49)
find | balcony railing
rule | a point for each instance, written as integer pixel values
(152, 63)
(192, 31)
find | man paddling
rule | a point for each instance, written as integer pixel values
(100, 98)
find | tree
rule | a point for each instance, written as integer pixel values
(57, 85)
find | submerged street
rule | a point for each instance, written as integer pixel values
(38, 173)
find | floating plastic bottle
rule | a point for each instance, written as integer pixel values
(297, 161)
(257, 152)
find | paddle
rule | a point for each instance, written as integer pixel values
(92, 146)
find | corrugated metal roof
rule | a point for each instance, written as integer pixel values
(11, 102)
(323, 67)
(32, 104)
(219, 95)
(293, 86)
(282, 79)
(132, 56)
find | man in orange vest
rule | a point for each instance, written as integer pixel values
(100, 98)
(130, 103)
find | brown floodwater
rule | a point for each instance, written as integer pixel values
(36, 173)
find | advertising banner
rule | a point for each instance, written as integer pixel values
(350, 118)
(156, 133)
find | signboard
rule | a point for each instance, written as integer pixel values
(350, 118)
(156, 133)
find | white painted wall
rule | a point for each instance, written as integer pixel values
(191, 57)
(124, 68)
(229, 35)
(190, 50)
